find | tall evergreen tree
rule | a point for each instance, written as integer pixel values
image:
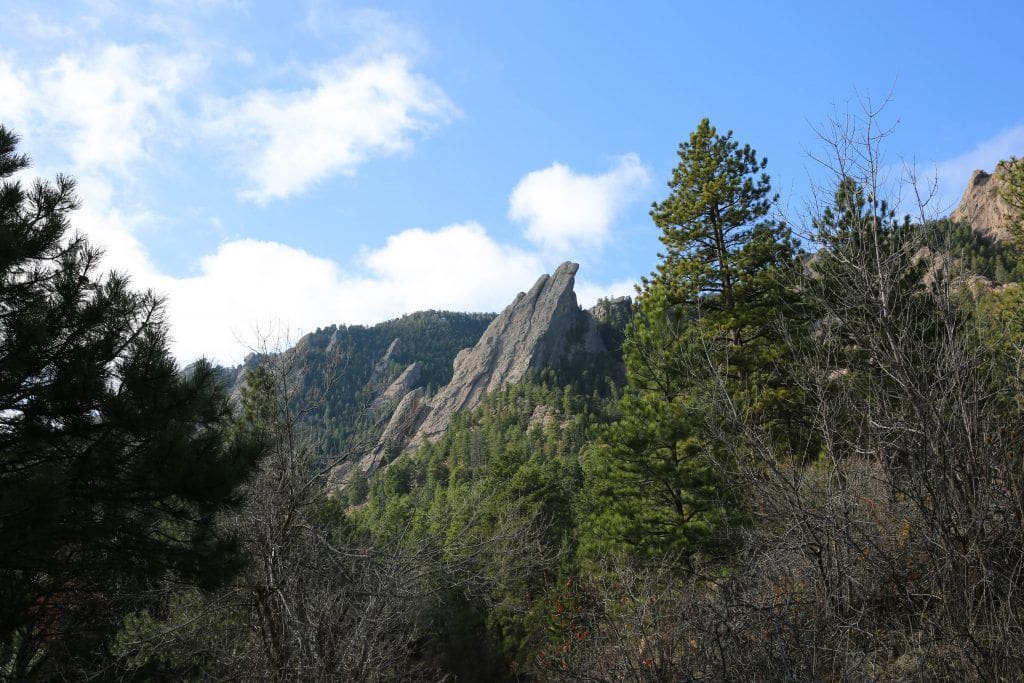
(113, 462)
(705, 343)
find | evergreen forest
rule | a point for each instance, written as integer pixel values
(800, 458)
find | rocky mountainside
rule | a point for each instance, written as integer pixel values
(367, 394)
(346, 381)
(982, 208)
(542, 328)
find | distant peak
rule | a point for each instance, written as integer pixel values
(539, 329)
(567, 268)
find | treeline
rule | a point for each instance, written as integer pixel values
(812, 472)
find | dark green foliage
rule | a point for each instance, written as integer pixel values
(113, 462)
(997, 260)
(511, 463)
(706, 338)
(1012, 193)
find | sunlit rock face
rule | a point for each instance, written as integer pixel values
(982, 208)
(540, 328)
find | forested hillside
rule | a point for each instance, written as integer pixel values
(796, 456)
(339, 370)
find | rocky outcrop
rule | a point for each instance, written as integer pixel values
(982, 208)
(612, 311)
(403, 384)
(400, 427)
(380, 369)
(542, 417)
(540, 328)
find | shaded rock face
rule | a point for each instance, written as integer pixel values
(982, 208)
(539, 329)
(402, 385)
(380, 369)
(400, 427)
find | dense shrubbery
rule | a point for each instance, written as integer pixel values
(974, 253)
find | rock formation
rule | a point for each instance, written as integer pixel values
(383, 364)
(612, 311)
(542, 417)
(982, 208)
(403, 384)
(541, 328)
(400, 427)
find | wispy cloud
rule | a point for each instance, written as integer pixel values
(289, 140)
(102, 108)
(100, 115)
(37, 27)
(108, 113)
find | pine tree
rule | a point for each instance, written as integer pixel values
(113, 462)
(705, 341)
(1012, 193)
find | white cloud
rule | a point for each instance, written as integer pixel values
(459, 267)
(16, 98)
(109, 106)
(247, 284)
(563, 209)
(115, 231)
(287, 141)
(102, 112)
(953, 174)
(105, 112)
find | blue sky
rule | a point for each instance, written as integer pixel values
(294, 165)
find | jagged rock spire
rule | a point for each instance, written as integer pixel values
(539, 329)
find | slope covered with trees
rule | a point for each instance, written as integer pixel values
(340, 370)
(811, 472)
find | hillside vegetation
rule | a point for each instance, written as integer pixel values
(796, 456)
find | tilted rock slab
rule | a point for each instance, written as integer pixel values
(539, 329)
(403, 422)
(403, 384)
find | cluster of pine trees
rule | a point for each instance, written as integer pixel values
(811, 469)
